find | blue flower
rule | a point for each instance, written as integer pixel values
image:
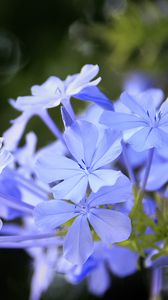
(55, 91)
(50, 94)
(90, 155)
(110, 225)
(144, 126)
(119, 260)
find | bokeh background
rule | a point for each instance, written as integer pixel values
(40, 38)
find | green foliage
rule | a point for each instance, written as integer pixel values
(140, 240)
(137, 38)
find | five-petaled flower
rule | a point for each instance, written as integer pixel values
(89, 156)
(144, 125)
(111, 225)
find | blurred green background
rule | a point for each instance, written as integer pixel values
(56, 37)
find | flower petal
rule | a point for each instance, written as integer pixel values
(122, 261)
(93, 94)
(110, 226)
(81, 144)
(117, 193)
(72, 188)
(51, 214)
(99, 280)
(102, 177)
(56, 167)
(108, 149)
(121, 121)
(78, 245)
(82, 79)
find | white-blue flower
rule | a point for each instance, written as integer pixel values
(55, 91)
(110, 225)
(70, 177)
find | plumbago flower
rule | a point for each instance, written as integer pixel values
(86, 167)
(119, 260)
(55, 91)
(143, 123)
(52, 93)
(110, 225)
(72, 192)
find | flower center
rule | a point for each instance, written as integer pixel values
(84, 167)
(154, 121)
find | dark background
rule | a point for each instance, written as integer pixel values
(43, 38)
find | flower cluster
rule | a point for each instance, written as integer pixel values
(97, 195)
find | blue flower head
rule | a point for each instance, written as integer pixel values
(70, 177)
(110, 225)
(119, 260)
(55, 91)
(143, 123)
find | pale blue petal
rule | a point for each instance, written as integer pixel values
(73, 141)
(110, 226)
(72, 188)
(155, 94)
(121, 121)
(158, 176)
(99, 280)
(89, 134)
(108, 149)
(25, 154)
(159, 138)
(51, 214)
(47, 95)
(133, 104)
(51, 86)
(14, 133)
(56, 167)
(78, 245)
(122, 261)
(136, 82)
(83, 79)
(36, 102)
(80, 143)
(119, 192)
(102, 177)
(140, 140)
(93, 94)
(150, 100)
(147, 138)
